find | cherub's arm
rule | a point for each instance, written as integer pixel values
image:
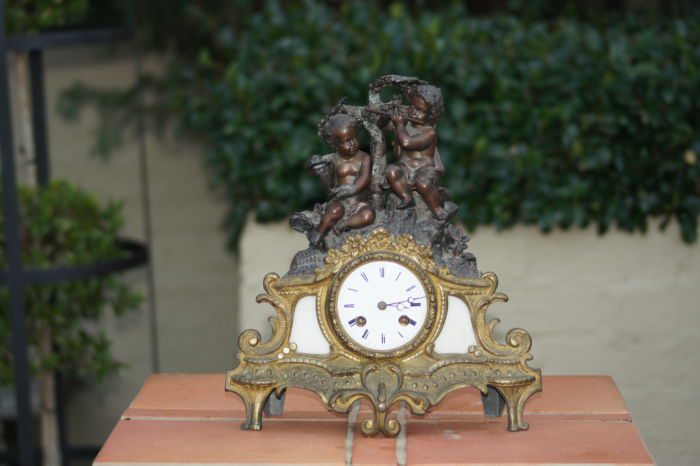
(322, 166)
(385, 124)
(418, 142)
(438, 162)
(365, 175)
(385, 112)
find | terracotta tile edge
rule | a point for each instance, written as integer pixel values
(231, 419)
(121, 463)
(204, 415)
(527, 464)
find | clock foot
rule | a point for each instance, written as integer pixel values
(254, 398)
(515, 397)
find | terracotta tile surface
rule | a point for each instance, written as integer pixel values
(183, 391)
(547, 442)
(578, 395)
(202, 396)
(190, 419)
(223, 443)
(594, 397)
(371, 451)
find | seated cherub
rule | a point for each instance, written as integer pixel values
(346, 173)
(419, 166)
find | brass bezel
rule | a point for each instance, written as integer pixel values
(332, 312)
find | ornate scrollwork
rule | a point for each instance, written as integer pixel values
(250, 341)
(420, 377)
(378, 240)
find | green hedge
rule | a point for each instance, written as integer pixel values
(32, 16)
(557, 123)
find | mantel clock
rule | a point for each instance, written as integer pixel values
(385, 305)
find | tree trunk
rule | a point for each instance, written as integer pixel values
(50, 439)
(26, 149)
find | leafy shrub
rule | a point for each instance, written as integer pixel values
(64, 226)
(557, 123)
(27, 16)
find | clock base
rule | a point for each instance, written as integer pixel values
(383, 387)
(492, 402)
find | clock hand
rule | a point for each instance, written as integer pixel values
(411, 301)
(397, 303)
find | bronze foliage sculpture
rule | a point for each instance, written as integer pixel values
(382, 268)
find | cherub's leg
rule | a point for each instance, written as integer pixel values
(363, 217)
(399, 185)
(334, 212)
(431, 196)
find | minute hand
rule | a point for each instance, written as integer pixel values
(411, 301)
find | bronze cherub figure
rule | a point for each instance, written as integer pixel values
(418, 166)
(366, 192)
(346, 174)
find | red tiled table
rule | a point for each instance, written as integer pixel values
(191, 420)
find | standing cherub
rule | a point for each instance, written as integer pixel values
(346, 173)
(418, 165)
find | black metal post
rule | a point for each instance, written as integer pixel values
(493, 403)
(14, 261)
(41, 146)
(146, 197)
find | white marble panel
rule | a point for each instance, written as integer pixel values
(457, 334)
(306, 331)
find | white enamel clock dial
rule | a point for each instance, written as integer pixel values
(382, 305)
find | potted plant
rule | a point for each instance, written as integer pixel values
(65, 227)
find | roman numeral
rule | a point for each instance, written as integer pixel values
(366, 334)
(401, 334)
(352, 289)
(397, 277)
(411, 287)
(381, 272)
(383, 338)
(364, 275)
(349, 305)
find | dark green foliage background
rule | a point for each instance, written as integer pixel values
(32, 16)
(65, 226)
(557, 122)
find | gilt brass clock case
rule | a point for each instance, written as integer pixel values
(432, 300)
(414, 374)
